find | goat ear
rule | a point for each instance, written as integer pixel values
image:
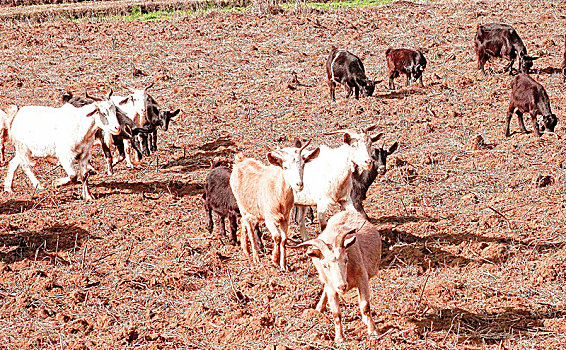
(308, 157)
(376, 137)
(314, 252)
(349, 241)
(347, 139)
(124, 101)
(370, 128)
(393, 148)
(275, 159)
(175, 113)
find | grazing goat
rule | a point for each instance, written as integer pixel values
(218, 197)
(265, 193)
(362, 181)
(412, 63)
(528, 96)
(501, 40)
(65, 132)
(128, 130)
(346, 255)
(134, 107)
(328, 178)
(343, 67)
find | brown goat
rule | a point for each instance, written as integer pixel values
(412, 63)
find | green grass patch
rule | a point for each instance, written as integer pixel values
(337, 4)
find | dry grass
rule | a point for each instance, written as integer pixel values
(475, 250)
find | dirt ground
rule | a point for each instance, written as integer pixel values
(474, 231)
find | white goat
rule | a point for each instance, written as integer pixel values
(134, 106)
(346, 255)
(328, 178)
(265, 193)
(65, 132)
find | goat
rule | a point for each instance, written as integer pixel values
(134, 107)
(563, 66)
(128, 130)
(412, 63)
(528, 96)
(362, 181)
(66, 132)
(343, 67)
(156, 118)
(218, 197)
(346, 255)
(501, 40)
(328, 178)
(265, 193)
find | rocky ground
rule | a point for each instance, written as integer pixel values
(473, 222)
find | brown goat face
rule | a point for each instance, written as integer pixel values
(548, 123)
(380, 157)
(332, 263)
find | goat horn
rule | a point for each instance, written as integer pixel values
(341, 237)
(110, 94)
(370, 128)
(342, 131)
(318, 243)
(150, 85)
(91, 97)
(304, 146)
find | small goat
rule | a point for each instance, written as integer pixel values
(501, 40)
(362, 181)
(343, 67)
(265, 193)
(346, 255)
(218, 197)
(412, 63)
(528, 96)
(328, 178)
(156, 118)
(65, 132)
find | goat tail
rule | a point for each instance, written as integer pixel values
(11, 112)
(239, 157)
(388, 51)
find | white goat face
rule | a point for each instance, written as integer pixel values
(106, 117)
(292, 160)
(360, 148)
(139, 100)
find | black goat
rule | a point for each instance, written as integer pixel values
(501, 40)
(343, 67)
(362, 181)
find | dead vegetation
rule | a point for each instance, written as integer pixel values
(474, 228)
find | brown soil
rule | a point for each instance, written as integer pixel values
(474, 231)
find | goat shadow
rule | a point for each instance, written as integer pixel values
(398, 94)
(11, 207)
(176, 188)
(484, 327)
(203, 156)
(41, 245)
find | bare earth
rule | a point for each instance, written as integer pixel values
(474, 232)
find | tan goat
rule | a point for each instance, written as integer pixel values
(265, 193)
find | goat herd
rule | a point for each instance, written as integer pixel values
(347, 252)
